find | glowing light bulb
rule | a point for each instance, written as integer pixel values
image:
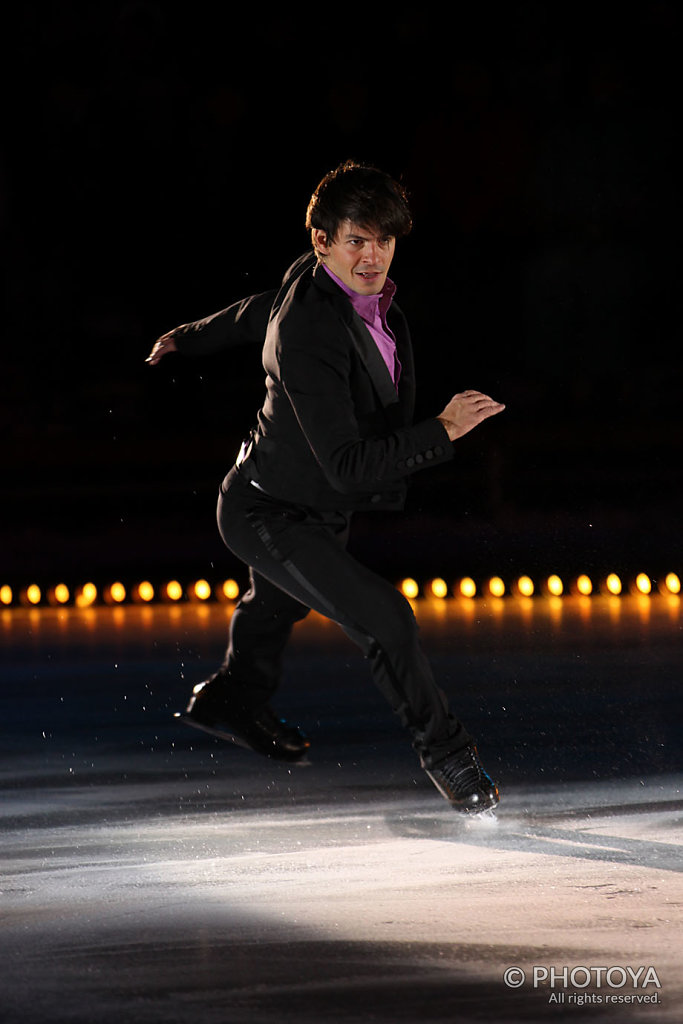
(5, 594)
(144, 591)
(525, 586)
(230, 590)
(643, 583)
(496, 587)
(438, 587)
(584, 585)
(59, 594)
(409, 588)
(672, 583)
(116, 593)
(467, 587)
(33, 594)
(554, 585)
(86, 595)
(613, 584)
(173, 591)
(201, 590)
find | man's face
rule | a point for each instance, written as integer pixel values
(358, 256)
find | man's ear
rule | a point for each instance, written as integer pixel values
(320, 241)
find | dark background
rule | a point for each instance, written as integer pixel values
(157, 162)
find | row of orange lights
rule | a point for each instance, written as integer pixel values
(117, 593)
(550, 586)
(201, 590)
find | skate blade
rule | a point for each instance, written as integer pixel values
(483, 819)
(222, 734)
(468, 813)
(186, 719)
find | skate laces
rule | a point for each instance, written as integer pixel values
(464, 769)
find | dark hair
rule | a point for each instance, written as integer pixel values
(364, 195)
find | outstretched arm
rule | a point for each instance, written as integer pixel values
(243, 323)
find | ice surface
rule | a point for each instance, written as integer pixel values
(153, 874)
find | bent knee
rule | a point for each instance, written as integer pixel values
(395, 623)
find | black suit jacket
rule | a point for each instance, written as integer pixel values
(332, 433)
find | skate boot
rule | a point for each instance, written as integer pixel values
(212, 709)
(461, 779)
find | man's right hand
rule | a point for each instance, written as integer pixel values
(166, 343)
(465, 411)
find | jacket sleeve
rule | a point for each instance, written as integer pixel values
(243, 323)
(316, 378)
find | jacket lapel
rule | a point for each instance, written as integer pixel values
(404, 350)
(363, 342)
(372, 359)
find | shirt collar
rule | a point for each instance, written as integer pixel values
(367, 306)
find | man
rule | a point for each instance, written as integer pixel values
(334, 434)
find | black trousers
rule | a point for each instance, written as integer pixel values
(298, 561)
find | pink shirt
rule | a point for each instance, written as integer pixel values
(372, 309)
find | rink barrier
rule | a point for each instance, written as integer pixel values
(437, 589)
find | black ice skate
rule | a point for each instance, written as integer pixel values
(259, 729)
(461, 779)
